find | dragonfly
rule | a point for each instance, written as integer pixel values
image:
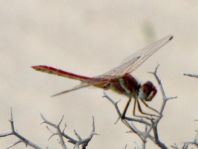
(119, 78)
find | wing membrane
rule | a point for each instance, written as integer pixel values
(135, 60)
(82, 85)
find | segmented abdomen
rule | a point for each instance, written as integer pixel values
(59, 72)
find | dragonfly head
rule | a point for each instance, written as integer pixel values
(147, 91)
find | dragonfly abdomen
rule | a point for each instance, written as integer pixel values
(59, 72)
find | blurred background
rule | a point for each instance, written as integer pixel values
(90, 37)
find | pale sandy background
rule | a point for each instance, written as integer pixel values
(90, 37)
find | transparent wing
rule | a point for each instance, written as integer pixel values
(94, 82)
(135, 60)
(82, 85)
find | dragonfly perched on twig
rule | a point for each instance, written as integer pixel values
(119, 78)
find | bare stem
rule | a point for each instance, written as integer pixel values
(21, 138)
(79, 142)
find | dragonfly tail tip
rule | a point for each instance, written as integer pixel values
(171, 37)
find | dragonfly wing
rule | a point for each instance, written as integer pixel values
(82, 85)
(135, 60)
(119, 70)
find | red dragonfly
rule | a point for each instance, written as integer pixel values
(119, 78)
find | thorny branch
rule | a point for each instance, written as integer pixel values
(194, 142)
(189, 144)
(150, 126)
(21, 138)
(57, 127)
(79, 142)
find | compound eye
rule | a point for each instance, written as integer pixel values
(150, 96)
(147, 91)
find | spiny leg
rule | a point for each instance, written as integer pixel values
(141, 111)
(149, 107)
(134, 107)
(122, 83)
(126, 107)
(139, 108)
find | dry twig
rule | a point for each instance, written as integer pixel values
(79, 142)
(21, 138)
(189, 144)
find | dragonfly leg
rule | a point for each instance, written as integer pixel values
(142, 112)
(136, 102)
(150, 107)
(125, 109)
(139, 108)
(134, 107)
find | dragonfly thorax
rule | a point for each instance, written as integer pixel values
(126, 85)
(130, 87)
